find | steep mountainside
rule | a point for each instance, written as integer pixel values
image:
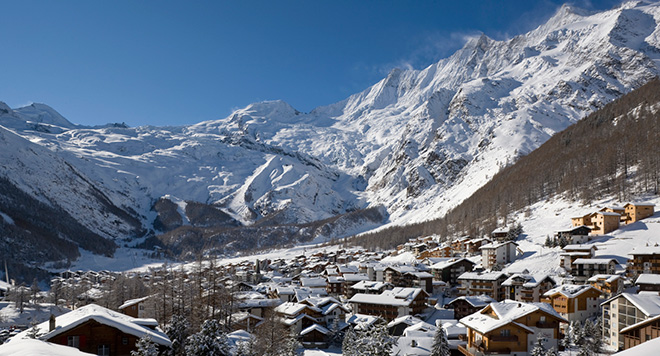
(418, 142)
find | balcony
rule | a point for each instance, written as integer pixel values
(499, 338)
(547, 325)
(480, 350)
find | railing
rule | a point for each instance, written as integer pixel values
(499, 338)
(465, 351)
(546, 325)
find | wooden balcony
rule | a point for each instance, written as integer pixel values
(547, 325)
(498, 338)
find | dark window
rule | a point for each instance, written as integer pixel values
(103, 350)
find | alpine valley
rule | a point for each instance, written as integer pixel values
(405, 150)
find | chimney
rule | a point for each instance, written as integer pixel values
(51, 323)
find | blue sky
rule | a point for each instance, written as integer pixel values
(181, 62)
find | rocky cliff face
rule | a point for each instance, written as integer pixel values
(418, 142)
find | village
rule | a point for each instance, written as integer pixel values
(316, 299)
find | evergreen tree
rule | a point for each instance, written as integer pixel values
(209, 341)
(336, 335)
(348, 346)
(440, 343)
(539, 349)
(33, 332)
(145, 347)
(291, 345)
(177, 330)
(552, 352)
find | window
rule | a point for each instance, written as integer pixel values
(103, 350)
(542, 318)
(73, 341)
(505, 332)
(124, 340)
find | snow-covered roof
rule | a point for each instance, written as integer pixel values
(490, 276)
(313, 282)
(579, 247)
(449, 262)
(406, 319)
(608, 213)
(124, 323)
(356, 277)
(369, 285)
(495, 245)
(397, 297)
(362, 321)
(507, 312)
(570, 290)
(130, 302)
(607, 277)
(648, 348)
(316, 327)
(646, 278)
(648, 304)
(648, 250)
(594, 261)
(36, 347)
(476, 301)
(290, 308)
(531, 281)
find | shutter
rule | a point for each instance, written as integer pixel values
(83, 342)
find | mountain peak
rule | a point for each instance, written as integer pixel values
(44, 114)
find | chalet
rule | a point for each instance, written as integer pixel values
(575, 235)
(645, 260)
(441, 251)
(636, 212)
(350, 280)
(315, 336)
(641, 332)
(298, 316)
(334, 285)
(490, 284)
(625, 310)
(331, 309)
(574, 302)
(466, 305)
(614, 209)
(511, 327)
(449, 271)
(409, 277)
(648, 282)
(527, 288)
(604, 222)
(584, 268)
(245, 321)
(573, 252)
(136, 308)
(472, 246)
(391, 304)
(498, 254)
(100, 331)
(500, 234)
(458, 245)
(609, 284)
(584, 220)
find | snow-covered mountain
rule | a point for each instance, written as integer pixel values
(418, 142)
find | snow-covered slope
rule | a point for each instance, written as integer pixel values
(418, 142)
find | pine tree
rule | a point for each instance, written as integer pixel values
(177, 330)
(291, 346)
(33, 332)
(336, 335)
(348, 347)
(539, 349)
(440, 343)
(209, 341)
(552, 352)
(145, 347)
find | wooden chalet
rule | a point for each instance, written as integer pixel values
(391, 304)
(639, 211)
(574, 302)
(100, 331)
(511, 327)
(466, 305)
(645, 330)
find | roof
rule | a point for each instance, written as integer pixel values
(316, 327)
(475, 300)
(639, 204)
(290, 308)
(607, 277)
(570, 290)
(646, 251)
(491, 276)
(607, 213)
(580, 247)
(649, 304)
(496, 245)
(449, 263)
(646, 278)
(530, 281)
(130, 302)
(397, 297)
(594, 261)
(36, 347)
(122, 322)
(507, 312)
(369, 285)
(313, 282)
(648, 348)
(643, 322)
